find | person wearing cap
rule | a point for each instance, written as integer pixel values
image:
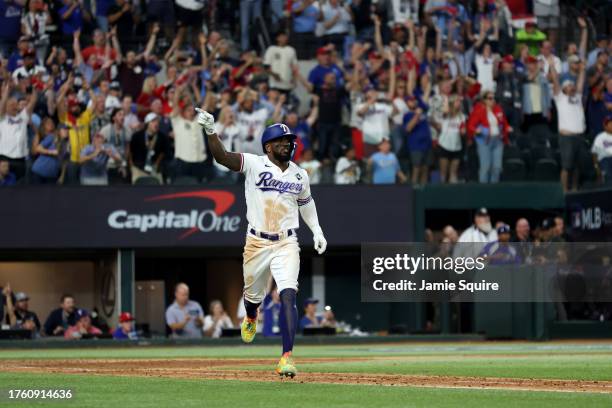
(18, 314)
(125, 330)
(82, 327)
(14, 128)
(94, 161)
(478, 234)
(316, 76)
(508, 91)
(536, 95)
(571, 124)
(148, 149)
(30, 67)
(602, 152)
(501, 251)
(530, 36)
(310, 318)
(52, 150)
(376, 112)
(305, 15)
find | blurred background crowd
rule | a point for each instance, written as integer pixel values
(103, 92)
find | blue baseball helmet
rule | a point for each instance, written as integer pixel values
(276, 131)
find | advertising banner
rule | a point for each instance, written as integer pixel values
(200, 216)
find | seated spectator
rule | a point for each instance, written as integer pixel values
(52, 150)
(449, 234)
(189, 147)
(478, 234)
(125, 330)
(312, 166)
(602, 152)
(18, 314)
(418, 132)
(571, 124)
(216, 321)
(184, 317)
(61, 318)
(310, 318)
(385, 166)
(82, 327)
(329, 319)
(94, 161)
(489, 126)
(6, 177)
(347, 168)
(148, 149)
(501, 252)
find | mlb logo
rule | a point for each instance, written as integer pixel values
(297, 176)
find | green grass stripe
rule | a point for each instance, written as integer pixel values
(99, 391)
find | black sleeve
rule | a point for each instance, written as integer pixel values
(112, 10)
(50, 324)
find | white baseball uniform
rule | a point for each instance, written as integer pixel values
(273, 199)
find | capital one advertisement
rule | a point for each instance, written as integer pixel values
(193, 216)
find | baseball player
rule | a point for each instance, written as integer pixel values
(275, 189)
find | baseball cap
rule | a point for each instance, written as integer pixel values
(125, 317)
(19, 296)
(24, 38)
(573, 59)
(80, 313)
(29, 53)
(482, 211)
(374, 54)
(509, 59)
(531, 60)
(151, 116)
(411, 98)
(311, 301)
(115, 85)
(503, 229)
(322, 51)
(567, 82)
(530, 24)
(547, 223)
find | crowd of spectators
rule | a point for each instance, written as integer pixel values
(99, 92)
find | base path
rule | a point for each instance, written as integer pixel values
(219, 369)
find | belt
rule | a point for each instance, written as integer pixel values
(272, 237)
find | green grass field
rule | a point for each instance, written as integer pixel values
(258, 387)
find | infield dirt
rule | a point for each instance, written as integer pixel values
(222, 369)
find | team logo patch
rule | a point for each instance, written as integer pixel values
(297, 176)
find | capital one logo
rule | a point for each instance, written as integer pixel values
(192, 221)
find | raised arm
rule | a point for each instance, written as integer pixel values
(32, 102)
(392, 76)
(554, 75)
(581, 78)
(68, 12)
(230, 160)
(377, 35)
(6, 90)
(76, 47)
(584, 37)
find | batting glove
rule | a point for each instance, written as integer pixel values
(320, 243)
(206, 120)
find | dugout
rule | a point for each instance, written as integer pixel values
(440, 205)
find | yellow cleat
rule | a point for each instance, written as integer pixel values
(286, 367)
(248, 329)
